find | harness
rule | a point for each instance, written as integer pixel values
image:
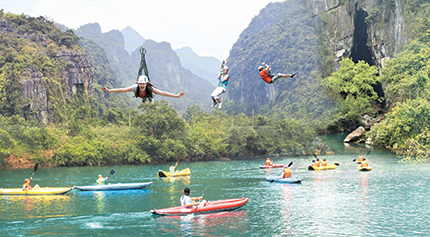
(146, 96)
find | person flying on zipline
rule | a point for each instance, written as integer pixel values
(222, 86)
(143, 89)
(271, 78)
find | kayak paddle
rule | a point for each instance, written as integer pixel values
(202, 198)
(111, 173)
(34, 170)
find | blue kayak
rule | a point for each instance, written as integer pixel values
(118, 186)
(272, 178)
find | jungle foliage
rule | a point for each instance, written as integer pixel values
(155, 133)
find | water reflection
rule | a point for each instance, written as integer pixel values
(213, 224)
(24, 206)
(99, 201)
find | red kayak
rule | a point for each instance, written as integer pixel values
(271, 166)
(211, 206)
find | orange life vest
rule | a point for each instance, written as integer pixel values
(287, 173)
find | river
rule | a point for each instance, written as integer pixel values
(391, 200)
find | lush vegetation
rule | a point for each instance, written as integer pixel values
(154, 134)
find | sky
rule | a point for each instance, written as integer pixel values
(209, 27)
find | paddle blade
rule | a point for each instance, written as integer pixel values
(35, 167)
(291, 163)
(368, 153)
(336, 164)
(315, 155)
(354, 160)
(112, 172)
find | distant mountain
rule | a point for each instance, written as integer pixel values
(206, 67)
(284, 36)
(132, 39)
(113, 44)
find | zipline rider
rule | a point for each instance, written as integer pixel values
(143, 89)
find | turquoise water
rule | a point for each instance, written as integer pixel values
(391, 200)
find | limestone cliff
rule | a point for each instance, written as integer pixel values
(369, 30)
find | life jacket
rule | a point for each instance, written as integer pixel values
(287, 173)
(364, 164)
(317, 164)
(265, 76)
(223, 83)
(324, 163)
(360, 158)
(268, 162)
(142, 95)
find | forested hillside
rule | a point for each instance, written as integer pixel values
(284, 35)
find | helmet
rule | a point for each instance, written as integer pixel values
(260, 68)
(225, 67)
(142, 79)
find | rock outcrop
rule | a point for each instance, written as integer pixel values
(357, 136)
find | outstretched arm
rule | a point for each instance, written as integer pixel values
(119, 90)
(168, 94)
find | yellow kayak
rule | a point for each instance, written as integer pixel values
(164, 174)
(41, 191)
(328, 167)
(365, 168)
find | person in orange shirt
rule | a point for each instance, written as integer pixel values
(324, 163)
(364, 163)
(266, 75)
(317, 163)
(360, 158)
(286, 173)
(269, 162)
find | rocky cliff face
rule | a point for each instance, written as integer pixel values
(78, 76)
(369, 30)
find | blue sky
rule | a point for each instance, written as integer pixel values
(209, 27)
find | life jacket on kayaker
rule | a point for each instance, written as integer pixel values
(317, 163)
(269, 162)
(364, 163)
(287, 173)
(324, 163)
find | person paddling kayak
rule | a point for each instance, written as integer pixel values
(364, 163)
(286, 172)
(187, 201)
(317, 163)
(269, 162)
(324, 163)
(172, 168)
(101, 180)
(27, 186)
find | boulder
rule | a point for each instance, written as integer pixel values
(358, 135)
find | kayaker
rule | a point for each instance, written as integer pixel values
(269, 162)
(364, 163)
(324, 163)
(101, 180)
(317, 163)
(360, 158)
(172, 168)
(286, 173)
(143, 89)
(187, 201)
(27, 186)
(270, 78)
